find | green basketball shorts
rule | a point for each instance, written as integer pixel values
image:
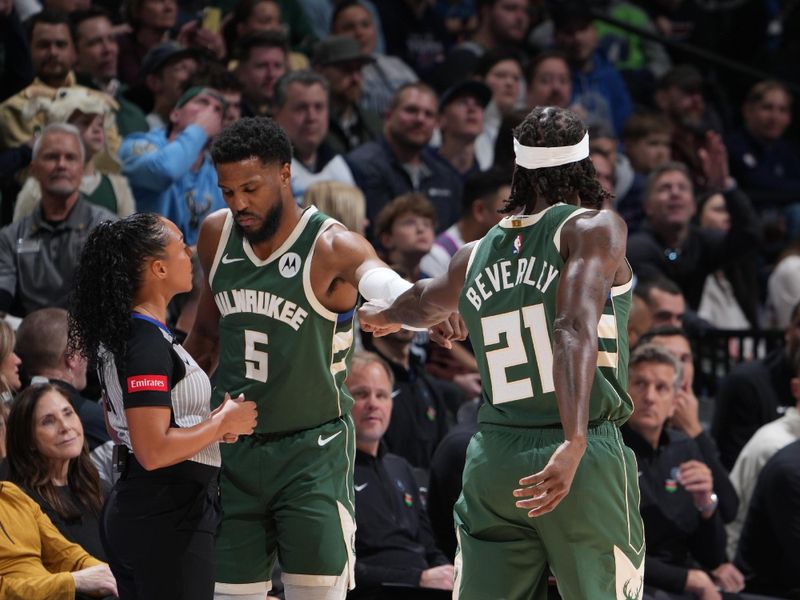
(289, 496)
(593, 541)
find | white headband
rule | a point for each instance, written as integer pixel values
(532, 157)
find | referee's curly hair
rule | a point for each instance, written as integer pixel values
(252, 137)
(549, 126)
(108, 275)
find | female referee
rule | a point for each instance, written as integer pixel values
(159, 521)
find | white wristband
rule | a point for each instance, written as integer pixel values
(381, 283)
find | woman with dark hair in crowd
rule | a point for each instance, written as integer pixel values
(49, 459)
(159, 521)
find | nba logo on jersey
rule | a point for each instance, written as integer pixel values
(517, 245)
(289, 265)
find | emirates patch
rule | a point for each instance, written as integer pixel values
(147, 383)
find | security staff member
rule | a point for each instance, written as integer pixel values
(159, 522)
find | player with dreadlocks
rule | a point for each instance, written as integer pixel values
(545, 295)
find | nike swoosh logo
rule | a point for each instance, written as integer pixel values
(323, 441)
(361, 487)
(227, 261)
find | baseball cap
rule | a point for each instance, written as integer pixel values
(158, 57)
(196, 91)
(471, 87)
(338, 49)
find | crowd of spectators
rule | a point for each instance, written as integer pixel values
(401, 117)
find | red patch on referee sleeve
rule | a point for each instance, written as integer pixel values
(147, 383)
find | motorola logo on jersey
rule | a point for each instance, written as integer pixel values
(289, 264)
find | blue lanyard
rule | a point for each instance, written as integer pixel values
(158, 324)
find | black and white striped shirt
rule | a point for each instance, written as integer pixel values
(157, 372)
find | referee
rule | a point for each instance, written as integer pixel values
(159, 521)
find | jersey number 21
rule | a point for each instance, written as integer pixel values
(515, 353)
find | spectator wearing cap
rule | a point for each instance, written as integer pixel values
(165, 71)
(461, 110)
(97, 53)
(680, 96)
(301, 109)
(151, 22)
(170, 170)
(53, 56)
(401, 161)
(39, 253)
(596, 85)
(382, 77)
(217, 77)
(339, 60)
(261, 62)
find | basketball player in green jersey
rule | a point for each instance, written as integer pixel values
(545, 296)
(277, 315)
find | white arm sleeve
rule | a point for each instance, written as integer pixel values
(382, 285)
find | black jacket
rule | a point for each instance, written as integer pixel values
(382, 178)
(768, 548)
(394, 542)
(753, 394)
(702, 252)
(678, 538)
(419, 414)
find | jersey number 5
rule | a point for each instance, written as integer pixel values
(255, 361)
(514, 353)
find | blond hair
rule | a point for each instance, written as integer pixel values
(343, 202)
(7, 340)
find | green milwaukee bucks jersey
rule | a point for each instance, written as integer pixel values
(509, 305)
(277, 344)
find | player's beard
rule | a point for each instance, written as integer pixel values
(269, 227)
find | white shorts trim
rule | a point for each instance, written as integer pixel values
(241, 589)
(310, 580)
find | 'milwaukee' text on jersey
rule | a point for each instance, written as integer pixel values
(262, 303)
(278, 345)
(500, 276)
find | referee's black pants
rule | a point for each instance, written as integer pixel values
(158, 531)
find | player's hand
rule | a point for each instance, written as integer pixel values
(451, 329)
(439, 578)
(239, 416)
(97, 581)
(699, 584)
(729, 578)
(697, 479)
(549, 486)
(372, 318)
